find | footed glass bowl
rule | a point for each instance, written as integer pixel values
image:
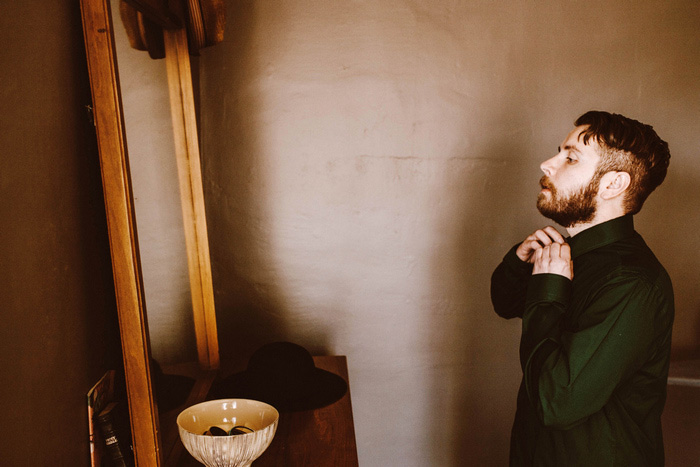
(256, 421)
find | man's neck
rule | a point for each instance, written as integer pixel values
(599, 218)
(578, 228)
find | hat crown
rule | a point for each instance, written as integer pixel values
(285, 376)
(281, 358)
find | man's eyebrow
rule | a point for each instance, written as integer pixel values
(571, 148)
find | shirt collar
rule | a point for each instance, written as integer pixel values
(600, 235)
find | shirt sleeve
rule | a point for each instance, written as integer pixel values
(571, 374)
(509, 285)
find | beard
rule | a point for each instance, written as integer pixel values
(568, 210)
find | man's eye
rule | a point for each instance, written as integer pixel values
(570, 160)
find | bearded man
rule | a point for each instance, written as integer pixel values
(596, 308)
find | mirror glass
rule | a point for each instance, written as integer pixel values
(154, 177)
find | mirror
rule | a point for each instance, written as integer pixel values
(150, 446)
(154, 176)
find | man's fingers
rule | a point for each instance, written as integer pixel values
(554, 259)
(533, 245)
(537, 240)
(554, 234)
(565, 251)
(527, 248)
(537, 255)
(554, 250)
(542, 237)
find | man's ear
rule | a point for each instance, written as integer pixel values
(614, 184)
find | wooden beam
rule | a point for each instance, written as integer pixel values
(121, 222)
(182, 107)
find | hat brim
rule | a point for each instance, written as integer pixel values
(313, 390)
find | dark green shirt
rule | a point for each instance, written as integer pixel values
(594, 351)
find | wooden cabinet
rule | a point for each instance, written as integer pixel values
(321, 437)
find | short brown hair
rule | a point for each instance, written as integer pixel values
(628, 146)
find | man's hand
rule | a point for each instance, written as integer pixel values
(554, 259)
(547, 250)
(536, 241)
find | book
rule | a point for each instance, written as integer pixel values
(101, 394)
(114, 427)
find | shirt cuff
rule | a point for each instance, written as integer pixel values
(548, 288)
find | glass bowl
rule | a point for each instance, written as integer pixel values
(238, 450)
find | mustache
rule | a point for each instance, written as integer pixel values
(545, 182)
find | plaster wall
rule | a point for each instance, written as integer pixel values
(59, 331)
(367, 164)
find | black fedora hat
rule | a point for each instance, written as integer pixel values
(283, 375)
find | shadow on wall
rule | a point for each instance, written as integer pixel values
(251, 308)
(669, 234)
(482, 363)
(247, 313)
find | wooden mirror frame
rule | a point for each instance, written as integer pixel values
(121, 220)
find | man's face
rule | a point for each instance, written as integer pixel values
(570, 182)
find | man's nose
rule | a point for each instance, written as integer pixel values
(548, 166)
